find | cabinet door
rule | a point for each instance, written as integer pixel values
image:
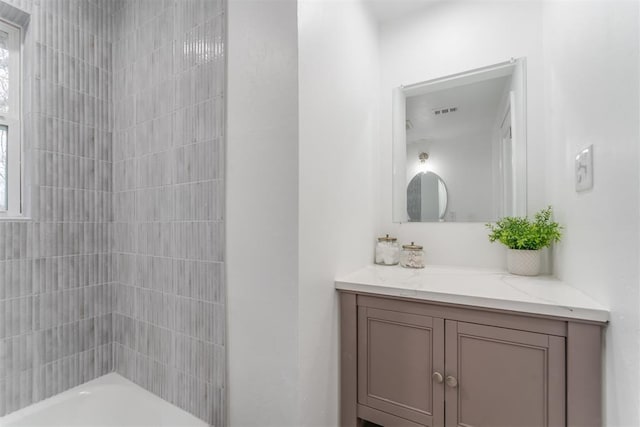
(504, 377)
(398, 354)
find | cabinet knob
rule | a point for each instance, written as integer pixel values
(437, 377)
(452, 381)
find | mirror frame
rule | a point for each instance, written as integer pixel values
(516, 67)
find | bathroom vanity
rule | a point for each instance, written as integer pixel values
(451, 347)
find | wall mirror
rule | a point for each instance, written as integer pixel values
(459, 146)
(426, 197)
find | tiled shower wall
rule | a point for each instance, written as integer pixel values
(121, 264)
(169, 313)
(55, 269)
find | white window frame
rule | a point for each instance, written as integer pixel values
(12, 120)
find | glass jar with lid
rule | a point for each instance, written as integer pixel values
(412, 256)
(387, 251)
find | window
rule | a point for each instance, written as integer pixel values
(10, 131)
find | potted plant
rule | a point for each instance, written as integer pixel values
(525, 239)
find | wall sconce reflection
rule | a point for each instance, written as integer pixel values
(422, 167)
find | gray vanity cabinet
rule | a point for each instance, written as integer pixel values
(503, 377)
(397, 356)
(408, 363)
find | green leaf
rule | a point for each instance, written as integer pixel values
(521, 233)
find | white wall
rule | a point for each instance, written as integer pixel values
(591, 97)
(339, 87)
(447, 38)
(262, 213)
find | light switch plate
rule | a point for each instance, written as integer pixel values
(584, 169)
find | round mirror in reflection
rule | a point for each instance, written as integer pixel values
(426, 198)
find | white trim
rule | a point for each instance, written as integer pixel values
(399, 157)
(12, 119)
(459, 79)
(518, 101)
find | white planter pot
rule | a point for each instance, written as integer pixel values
(523, 262)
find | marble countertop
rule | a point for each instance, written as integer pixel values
(543, 295)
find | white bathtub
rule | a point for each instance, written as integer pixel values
(110, 400)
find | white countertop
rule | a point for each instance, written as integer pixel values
(493, 289)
